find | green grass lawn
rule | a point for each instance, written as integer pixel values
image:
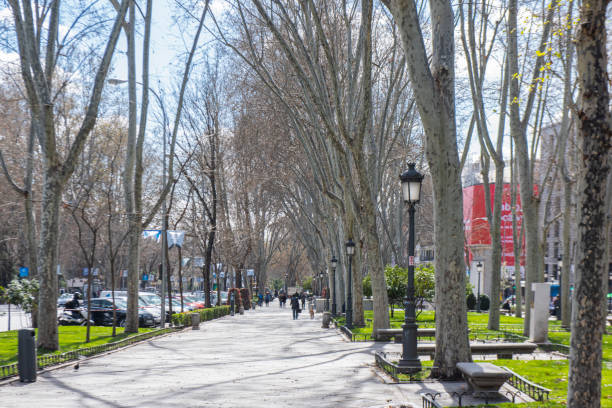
(551, 374)
(70, 338)
(477, 321)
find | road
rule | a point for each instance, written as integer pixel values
(263, 358)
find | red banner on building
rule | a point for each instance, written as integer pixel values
(476, 225)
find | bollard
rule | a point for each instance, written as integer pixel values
(195, 321)
(326, 320)
(26, 355)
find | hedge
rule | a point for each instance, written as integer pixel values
(184, 319)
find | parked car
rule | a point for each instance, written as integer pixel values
(151, 308)
(64, 297)
(192, 302)
(102, 313)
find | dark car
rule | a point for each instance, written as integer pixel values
(102, 313)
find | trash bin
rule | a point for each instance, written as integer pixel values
(326, 320)
(195, 321)
(26, 355)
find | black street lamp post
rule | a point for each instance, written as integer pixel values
(350, 251)
(411, 181)
(559, 297)
(334, 263)
(479, 270)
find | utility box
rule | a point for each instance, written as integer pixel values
(538, 325)
(195, 321)
(26, 355)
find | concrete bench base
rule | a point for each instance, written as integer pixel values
(483, 378)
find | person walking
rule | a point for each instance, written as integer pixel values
(303, 298)
(282, 298)
(295, 305)
(267, 299)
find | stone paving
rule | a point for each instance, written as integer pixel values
(262, 358)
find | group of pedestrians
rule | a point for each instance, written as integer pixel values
(297, 301)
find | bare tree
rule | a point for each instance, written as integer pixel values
(38, 71)
(478, 53)
(524, 155)
(433, 84)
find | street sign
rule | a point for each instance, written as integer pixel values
(124, 273)
(85, 271)
(411, 260)
(250, 272)
(23, 272)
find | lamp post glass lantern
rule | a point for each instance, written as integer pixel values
(334, 264)
(350, 251)
(479, 270)
(411, 181)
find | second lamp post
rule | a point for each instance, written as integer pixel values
(334, 264)
(411, 193)
(350, 251)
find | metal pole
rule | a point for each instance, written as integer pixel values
(334, 291)
(478, 299)
(410, 360)
(327, 294)
(349, 297)
(163, 244)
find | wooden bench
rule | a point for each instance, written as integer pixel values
(397, 334)
(483, 378)
(502, 350)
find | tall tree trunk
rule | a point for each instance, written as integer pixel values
(47, 305)
(207, 264)
(517, 238)
(568, 183)
(134, 219)
(435, 96)
(595, 129)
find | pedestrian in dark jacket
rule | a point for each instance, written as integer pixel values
(303, 299)
(295, 305)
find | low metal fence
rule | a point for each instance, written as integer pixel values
(429, 402)
(518, 328)
(560, 348)
(384, 361)
(535, 391)
(47, 360)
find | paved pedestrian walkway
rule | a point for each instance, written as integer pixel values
(260, 359)
(18, 318)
